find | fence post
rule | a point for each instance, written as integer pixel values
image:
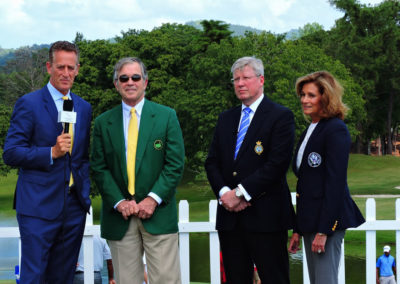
(306, 276)
(88, 254)
(397, 237)
(342, 275)
(215, 269)
(370, 243)
(184, 243)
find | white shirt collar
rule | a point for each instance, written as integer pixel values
(254, 105)
(138, 108)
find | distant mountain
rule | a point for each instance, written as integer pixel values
(293, 34)
(8, 54)
(5, 55)
(237, 30)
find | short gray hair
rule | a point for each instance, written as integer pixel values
(255, 63)
(129, 60)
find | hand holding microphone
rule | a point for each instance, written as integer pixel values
(64, 141)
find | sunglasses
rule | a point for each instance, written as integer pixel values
(125, 78)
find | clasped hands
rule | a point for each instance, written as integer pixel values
(232, 203)
(143, 210)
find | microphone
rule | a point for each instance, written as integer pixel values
(67, 116)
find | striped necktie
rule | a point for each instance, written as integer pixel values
(71, 132)
(131, 151)
(244, 125)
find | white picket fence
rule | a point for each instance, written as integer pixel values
(185, 228)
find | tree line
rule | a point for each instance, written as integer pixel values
(189, 70)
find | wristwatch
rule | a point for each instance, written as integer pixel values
(238, 193)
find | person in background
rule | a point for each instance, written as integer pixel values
(246, 167)
(137, 162)
(52, 192)
(386, 268)
(324, 206)
(256, 278)
(101, 252)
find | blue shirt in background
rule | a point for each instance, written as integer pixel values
(385, 264)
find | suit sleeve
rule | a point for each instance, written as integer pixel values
(337, 147)
(18, 148)
(212, 167)
(278, 159)
(101, 174)
(174, 159)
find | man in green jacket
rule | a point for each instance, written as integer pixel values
(137, 162)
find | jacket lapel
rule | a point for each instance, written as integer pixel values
(77, 126)
(310, 142)
(51, 109)
(232, 131)
(115, 131)
(147, 120)
(294, 161)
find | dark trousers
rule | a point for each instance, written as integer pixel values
(242, 250)
(50, 248)
(79, 278)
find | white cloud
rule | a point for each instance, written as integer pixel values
(277, 8)
(25, 22)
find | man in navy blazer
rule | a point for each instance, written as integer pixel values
(52, 192)
(249, 178)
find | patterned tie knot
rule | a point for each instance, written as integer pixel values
(247, 110)
(65, 98)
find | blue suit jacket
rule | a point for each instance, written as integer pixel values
(261, 171)
(323, 198)
(33, 131)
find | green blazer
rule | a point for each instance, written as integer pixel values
(159, 167)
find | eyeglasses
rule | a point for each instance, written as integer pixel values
(134, 77)
(236, 80)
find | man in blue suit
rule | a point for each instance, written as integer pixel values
(246, 167)
(52, 192)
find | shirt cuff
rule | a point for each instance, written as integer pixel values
(155, 197)
(51, 158)
(115, 206)
(222, 191)
(245, 194)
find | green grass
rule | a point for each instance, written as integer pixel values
(366, 175)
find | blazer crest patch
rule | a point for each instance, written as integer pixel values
(158, 145)
(314, 159)
(258, 148)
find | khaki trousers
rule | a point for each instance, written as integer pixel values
(162, 256)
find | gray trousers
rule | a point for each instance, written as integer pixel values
(387, 280)
(323, 268)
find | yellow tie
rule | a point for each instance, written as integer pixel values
(131, 156)
(71, 132)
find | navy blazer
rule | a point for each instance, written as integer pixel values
(260, 167)
(324, 203)
(33, 131)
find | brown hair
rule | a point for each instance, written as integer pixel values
(331, 91)
(63, 45)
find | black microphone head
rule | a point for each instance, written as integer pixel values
(68, 105)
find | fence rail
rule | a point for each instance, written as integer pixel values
(186, 227)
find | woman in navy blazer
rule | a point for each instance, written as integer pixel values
(324, 206)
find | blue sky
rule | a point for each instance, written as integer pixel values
(25, 22)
